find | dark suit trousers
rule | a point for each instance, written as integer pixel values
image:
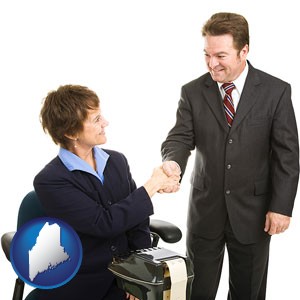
(248, 266)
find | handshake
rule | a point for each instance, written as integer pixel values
(164, 179)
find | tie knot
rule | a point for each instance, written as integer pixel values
(228, 87)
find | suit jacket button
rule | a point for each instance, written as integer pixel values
(228, 192)
(228, 167)
(113, 248)
(230, 141)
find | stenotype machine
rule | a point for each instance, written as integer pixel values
(154, 274)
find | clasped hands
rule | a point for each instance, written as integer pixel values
(164, 179)
(173, 171)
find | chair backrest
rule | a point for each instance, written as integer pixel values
(33, 295)
(30, 208)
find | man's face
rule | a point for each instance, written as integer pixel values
(224, 62)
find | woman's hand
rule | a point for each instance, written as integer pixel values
(131, 297)
(160, 182)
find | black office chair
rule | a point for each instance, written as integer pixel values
(31, 208)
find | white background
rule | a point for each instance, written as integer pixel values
(136, 55)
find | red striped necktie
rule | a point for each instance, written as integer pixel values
(228, 102)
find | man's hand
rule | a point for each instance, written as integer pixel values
(160, 181)
(276, 223)
(172, 169)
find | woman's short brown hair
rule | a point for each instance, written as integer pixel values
(64, 111)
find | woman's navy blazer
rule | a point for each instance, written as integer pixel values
(110, 219)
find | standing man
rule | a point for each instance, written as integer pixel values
(241, 122)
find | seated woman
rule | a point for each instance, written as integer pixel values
(91, 189)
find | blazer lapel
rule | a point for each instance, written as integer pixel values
(248, 97)
(214, 100)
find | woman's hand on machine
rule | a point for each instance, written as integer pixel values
(131, 297)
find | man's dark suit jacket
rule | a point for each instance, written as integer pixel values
(241, 172)
(110, 219)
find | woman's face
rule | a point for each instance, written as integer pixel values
(93, 132)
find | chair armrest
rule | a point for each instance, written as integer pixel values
(167, 231)
(6, 242)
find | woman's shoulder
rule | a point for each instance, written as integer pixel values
(116, 156)
(114, 153)
(52, 168)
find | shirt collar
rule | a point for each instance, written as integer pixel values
(74, 162)
(240, 81)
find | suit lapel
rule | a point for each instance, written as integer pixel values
(214, 100)
(248, 98)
